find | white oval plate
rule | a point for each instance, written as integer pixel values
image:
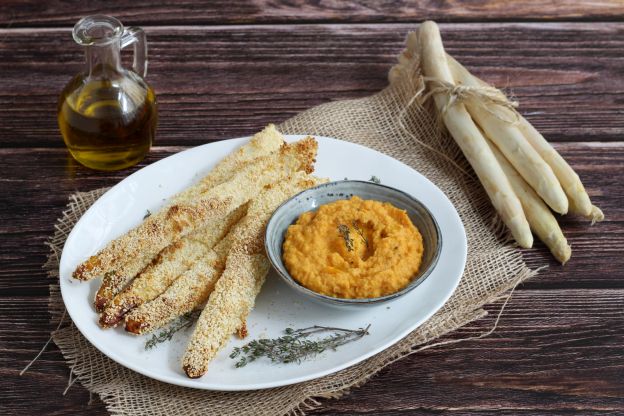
(277, 306)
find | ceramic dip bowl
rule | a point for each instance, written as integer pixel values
(311, 199)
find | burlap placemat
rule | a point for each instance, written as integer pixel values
(393, 123)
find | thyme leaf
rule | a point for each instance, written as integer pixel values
(375, 179)
(185, 321)
(295, 346)
(147, 213)
(345, 234)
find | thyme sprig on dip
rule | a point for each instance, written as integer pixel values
(345, 234)
(360, 232)
(185, 321)
(295, 346)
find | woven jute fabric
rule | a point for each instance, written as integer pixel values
(391, 122)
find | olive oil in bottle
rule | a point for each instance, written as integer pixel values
(108, 115)
(104, 127)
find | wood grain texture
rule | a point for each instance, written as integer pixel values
(28, 217)
(222, 82)
(554, 352)
(16, 13)
(558, 349)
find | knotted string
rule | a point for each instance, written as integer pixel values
(71, 381)
(487, 97)
(45, 345)
(419, 87)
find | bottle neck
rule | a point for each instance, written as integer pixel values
(103, 60)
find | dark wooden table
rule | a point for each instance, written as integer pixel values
(224, 69)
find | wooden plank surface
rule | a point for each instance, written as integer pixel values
(554, 352)
(558, 348)
(19, 13)
(222, 82)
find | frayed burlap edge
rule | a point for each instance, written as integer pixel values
(389, 122)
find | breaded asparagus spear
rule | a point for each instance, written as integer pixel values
(245, 270)
(193, 287)
(187, 292)
(166, 267)
(266, 142)
(178, 220)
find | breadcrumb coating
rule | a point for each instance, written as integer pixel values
(187, 292)
(170, 263)
(267, 141)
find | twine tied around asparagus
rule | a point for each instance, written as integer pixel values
(418, 85)
(488, 97)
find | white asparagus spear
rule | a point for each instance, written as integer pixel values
(470, 139)
(511, 142)
(542, 221)
(579, 202)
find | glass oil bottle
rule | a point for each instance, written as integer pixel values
(108, 114)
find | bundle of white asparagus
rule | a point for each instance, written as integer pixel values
(204, 250)
(523, 175)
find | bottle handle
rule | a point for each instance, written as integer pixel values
(136, 36)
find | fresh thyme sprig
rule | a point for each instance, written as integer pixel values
(294, 346)
(148, 213)
(375, 179)
(358, 230)
(345, 234)
(185, 321)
